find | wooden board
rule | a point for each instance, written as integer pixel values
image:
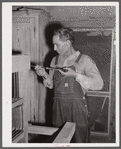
(66, 133)
(20, 63)
(98, 93)
(44, 130)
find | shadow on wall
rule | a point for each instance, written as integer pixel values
(14, 52)
(49, 30)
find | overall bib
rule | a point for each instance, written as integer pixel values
(69, 104)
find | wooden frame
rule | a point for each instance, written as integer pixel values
(102, 93)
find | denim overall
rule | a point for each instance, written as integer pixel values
(69, 104)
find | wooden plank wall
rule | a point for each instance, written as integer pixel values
(28, 38)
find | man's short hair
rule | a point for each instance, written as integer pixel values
(65, 34)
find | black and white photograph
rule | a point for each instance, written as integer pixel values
(60, 74)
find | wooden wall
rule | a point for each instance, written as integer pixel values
(28, 38)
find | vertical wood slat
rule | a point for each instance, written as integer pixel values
(110, 87)
(40, 85)
(25, 108)
(30, 73)
(14, 85)
(37, 60)
(34, 59)
(42, 102)
(17, 84)
(28, 101)
(22, 39)
(27, 39)
(14, 35)
(113, 94)
(23, 85)
(32, 100)
(28, 48)
(19, 30)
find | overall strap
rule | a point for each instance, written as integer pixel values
(78, 58)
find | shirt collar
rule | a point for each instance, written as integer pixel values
(73, 56)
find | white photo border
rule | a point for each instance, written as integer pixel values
(7, 68)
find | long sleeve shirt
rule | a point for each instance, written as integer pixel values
(88, 74)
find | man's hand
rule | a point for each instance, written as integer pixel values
(40, 71)
(47, 83)
(70, 72)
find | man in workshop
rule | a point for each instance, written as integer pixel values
(70, 84)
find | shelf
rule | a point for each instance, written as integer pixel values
(41, 130)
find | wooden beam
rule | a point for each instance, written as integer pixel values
(98, 93)
(66, 133)
(41, 130)
(20, 63)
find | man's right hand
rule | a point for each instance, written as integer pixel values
(40, 71)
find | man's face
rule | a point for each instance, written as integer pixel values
(60, 46)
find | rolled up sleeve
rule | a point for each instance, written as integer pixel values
(90, 78)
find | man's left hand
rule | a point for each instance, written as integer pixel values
(70, 72)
